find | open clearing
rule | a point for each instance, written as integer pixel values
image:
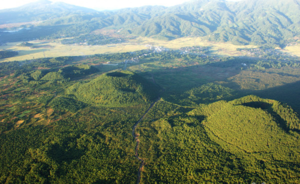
(54, 48)
(294, 50)
(218, 47)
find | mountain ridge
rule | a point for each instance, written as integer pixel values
(271, 22)
(41, 10)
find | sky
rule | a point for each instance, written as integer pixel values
(98, 4)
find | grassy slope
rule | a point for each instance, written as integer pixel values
(116, 89)
(220, 142)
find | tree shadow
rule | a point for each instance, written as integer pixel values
(179, 120)
(28, 52)
(261, 105)
(233, 62)
(211, 28)
(288, 94)
(108, 181)
(64, 152)
(178, 80)
(117, 74)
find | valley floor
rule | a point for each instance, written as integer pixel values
(45, 48)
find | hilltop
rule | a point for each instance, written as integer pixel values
(241, 141)
(40, 11)
(121, 88)
(253, 125)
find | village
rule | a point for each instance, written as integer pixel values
(136, 59)
(203, 52)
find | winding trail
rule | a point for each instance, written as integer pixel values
(136, 137)
(125, 66)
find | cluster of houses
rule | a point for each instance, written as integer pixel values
(110, 64)
(196, 50)
(156, 49)
(201, 51)
(132, 60)
(136, 59)
(184, 50)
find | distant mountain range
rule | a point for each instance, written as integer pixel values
(267, 22)
(41, 10)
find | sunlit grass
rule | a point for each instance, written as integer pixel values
(56, 49)
(295, 50)
(53, 49)
(220, 48)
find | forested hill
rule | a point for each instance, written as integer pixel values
(244, 22)
(40, 11)
(268, 22)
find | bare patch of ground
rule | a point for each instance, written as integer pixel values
(39, 115)
(43, 68)
(19, 123)
(1, 78)
(48, 122)
(50, 112)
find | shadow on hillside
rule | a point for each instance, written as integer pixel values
(178, 121)
(288, 94)
(268, 107)
(117, 74)
(192, 19)
(178, 81)
(105, 181)
(234, 62)
(27, 52)
(64, 153)
(261, 105)
(31, 34)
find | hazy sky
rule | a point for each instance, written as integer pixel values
(98, 4)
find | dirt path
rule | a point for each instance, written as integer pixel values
(125, 66)
(136, 136)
